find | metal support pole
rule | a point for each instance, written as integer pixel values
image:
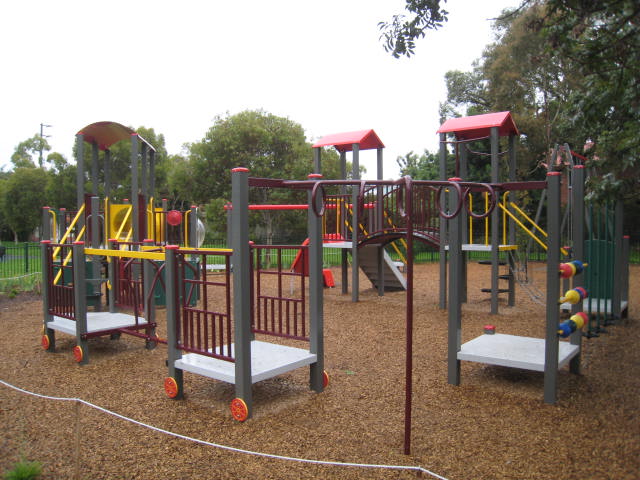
(443, 227)
(80, 176)
(379, 222)
(45, 255)
(317, 160)
(173, 287)
(193, 227)
(241, 284)
(80, 299)
(46, 224)
(135, 213)
(455, 302)
(355, 226)
(149, 302)
(577, 203)
(94, 168)
(618, 263)
(511, 229)
(343, 252)
(553, 287)
(316, 292)
(495, 226)
(112, 275)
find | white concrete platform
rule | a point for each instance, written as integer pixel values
(267, 361)
(337, 244)
(480, 247)
(597, 305)
(513, 351)
(96, 322)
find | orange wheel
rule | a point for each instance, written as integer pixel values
(171, 387)
(239, 409)
(46, 342)
(78, 354)
(325, 379)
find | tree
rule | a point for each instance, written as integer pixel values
(24, 151)
(423, 167)
(22, 200)
(566, 70)
(268, 145)
(61, 182)
(400, 34)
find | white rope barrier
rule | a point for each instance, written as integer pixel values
(20, 276)
(225, 447)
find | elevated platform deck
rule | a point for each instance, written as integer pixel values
(267, 360)
(96, 322)
(513, 351)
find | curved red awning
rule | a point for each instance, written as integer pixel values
(105, 134)
(343, 142)
(478, 126)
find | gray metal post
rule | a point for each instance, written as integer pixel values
(443, 227)
(495, 227)
(344, 254)
(144, 150)
(113, 277)
(553, 288)
(96, 265)
(511, 229)
(379, 220)
(152, 172)
(94, 168)
(317, 160)
(618, 262)
(47, 317)
(577, 203)
(134, 188)
(80, 298)
(149, 301)
(241, 284)
(355, 221)
(95, 223)
(464, 223)
(316, 292)
(625, 271)
(46, 223)
(164, 229)
(455, 301)
(80, 176)
(193, 227)
(173, 288)
(107, 175)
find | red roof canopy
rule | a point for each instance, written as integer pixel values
(366, 139)
(105, 134)
(478, 126)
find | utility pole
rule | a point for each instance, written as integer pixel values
(42, 137)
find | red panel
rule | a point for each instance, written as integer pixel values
(477, 126)
(367, 139)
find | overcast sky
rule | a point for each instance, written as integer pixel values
(173, 66)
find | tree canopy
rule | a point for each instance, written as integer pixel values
(566, 70)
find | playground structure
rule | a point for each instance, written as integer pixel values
(205, 338)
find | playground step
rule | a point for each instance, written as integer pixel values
(488, 262)
(500, 290)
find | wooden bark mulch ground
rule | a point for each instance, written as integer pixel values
(495, 425)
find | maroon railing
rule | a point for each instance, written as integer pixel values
(204, 323)
(61, 293)
(275, 311)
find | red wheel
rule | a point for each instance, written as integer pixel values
(171, 387)
(239, 409)
(78, 354)
(325, 379)
(46, 343)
